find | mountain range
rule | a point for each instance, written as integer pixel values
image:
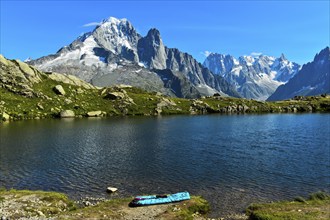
(114, 53)
(312, 79)
(253, 77)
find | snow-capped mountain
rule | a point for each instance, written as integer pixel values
(253, 77)
(312, 79)
(114, 53)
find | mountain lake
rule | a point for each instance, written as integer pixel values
(231, 160)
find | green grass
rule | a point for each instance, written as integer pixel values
(316, 207)
(57, 205)
(103, 210)
(145, 103)
(51, 203)
(187, 209)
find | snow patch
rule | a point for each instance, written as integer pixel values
(235, 61)
(236, 70)
(143, 64)
(207, 90)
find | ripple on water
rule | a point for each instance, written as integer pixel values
(231, 160)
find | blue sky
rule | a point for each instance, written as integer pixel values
(299, 29)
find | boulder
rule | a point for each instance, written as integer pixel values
(164, 102)
(59, 90)
(120, 96)
(29, 73)
(67, 114)
(111, 189)
(115, 95)
(5, 116)
(95, 114)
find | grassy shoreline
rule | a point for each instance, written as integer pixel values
(315, 207)
(54, 205)
(136, 102)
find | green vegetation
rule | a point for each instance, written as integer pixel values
(138, 102)
(317, 206)
(103, 210)
(57, 205)
(194, 207)
(35, 203)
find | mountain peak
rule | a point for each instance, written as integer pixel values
(312, 79)
(115, 53)
(323, 54)
(114, 20)
(153, 32)
(282, 57)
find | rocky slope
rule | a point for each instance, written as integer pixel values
(254, 77)
(114, 53)
(312, 79)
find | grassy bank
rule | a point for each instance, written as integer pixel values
(316, 207)
(16, 204)
(133, 101)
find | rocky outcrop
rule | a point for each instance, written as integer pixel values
(199, 107)
(115, 95)
(18, 77)
(165, 103)
(151, 50)
(21, 78)
(119, 94)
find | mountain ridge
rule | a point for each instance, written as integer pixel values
(312, 79)
(254, 77)
(114, 47)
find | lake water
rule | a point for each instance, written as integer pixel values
(231, 160)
